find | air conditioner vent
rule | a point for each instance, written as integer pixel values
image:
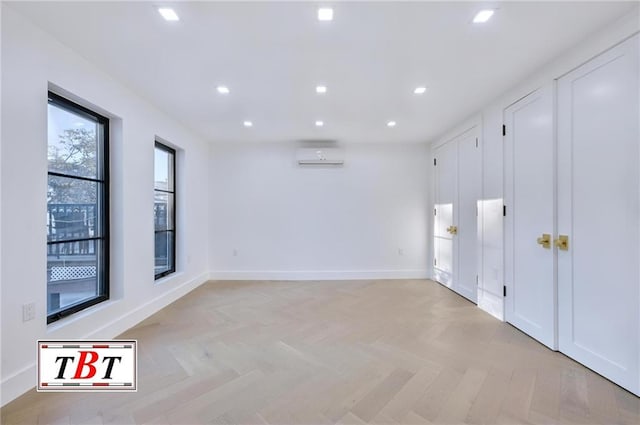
(320, 156)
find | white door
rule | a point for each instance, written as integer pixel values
(599, 213)
(469, 189)
(457, 176)
(446, 182)
(529, 223)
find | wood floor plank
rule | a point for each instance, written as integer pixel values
(402, 404)
(517, 403)
(350, 419)
(374, 402)
(357, 390)
(574, 404)
(457, 406)
(414, 419)
(437, 394)
(545, 402)
(601, 400)
(176, 395)
(487, 405)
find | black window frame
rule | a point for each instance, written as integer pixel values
(172, 152)
(102, 207)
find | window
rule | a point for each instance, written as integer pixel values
(77, 208)
(164, 210)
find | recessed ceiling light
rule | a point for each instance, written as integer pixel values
(321, 89)
(223, 89)
(247, 124)
(391, 124)
(325, 14)
(168, 14)
(419, 90)
(483, 16)
(319, 123)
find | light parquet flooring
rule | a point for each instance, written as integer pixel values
(339, 352)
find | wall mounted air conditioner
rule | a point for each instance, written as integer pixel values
(320, 156)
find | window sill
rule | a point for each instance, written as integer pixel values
(79, 316)
(169, 277)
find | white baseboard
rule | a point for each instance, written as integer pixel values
(24, 380)
(316, 275)
(18, 383)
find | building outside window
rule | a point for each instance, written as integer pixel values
(164, 210)
(77, 208)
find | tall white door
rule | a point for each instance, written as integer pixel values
(457, 178)
(469, 189)
(529, 223)
(446, 194)
(599, 214)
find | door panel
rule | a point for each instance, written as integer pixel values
(469, 178)
(529, 196)
(599, 210)
(446, 174)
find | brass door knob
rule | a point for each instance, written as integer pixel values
(453, 230)
(545, 240)
(562, 243)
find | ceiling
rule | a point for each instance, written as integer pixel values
(271, 56)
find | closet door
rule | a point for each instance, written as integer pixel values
(469, 180)
(446, 194)
(457, 177)
(599, 214)
(529, 224)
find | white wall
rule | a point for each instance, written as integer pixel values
(289, 222)
(31, 60)
(491, 269)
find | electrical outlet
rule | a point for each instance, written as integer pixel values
(28, 312)
(400, 251)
